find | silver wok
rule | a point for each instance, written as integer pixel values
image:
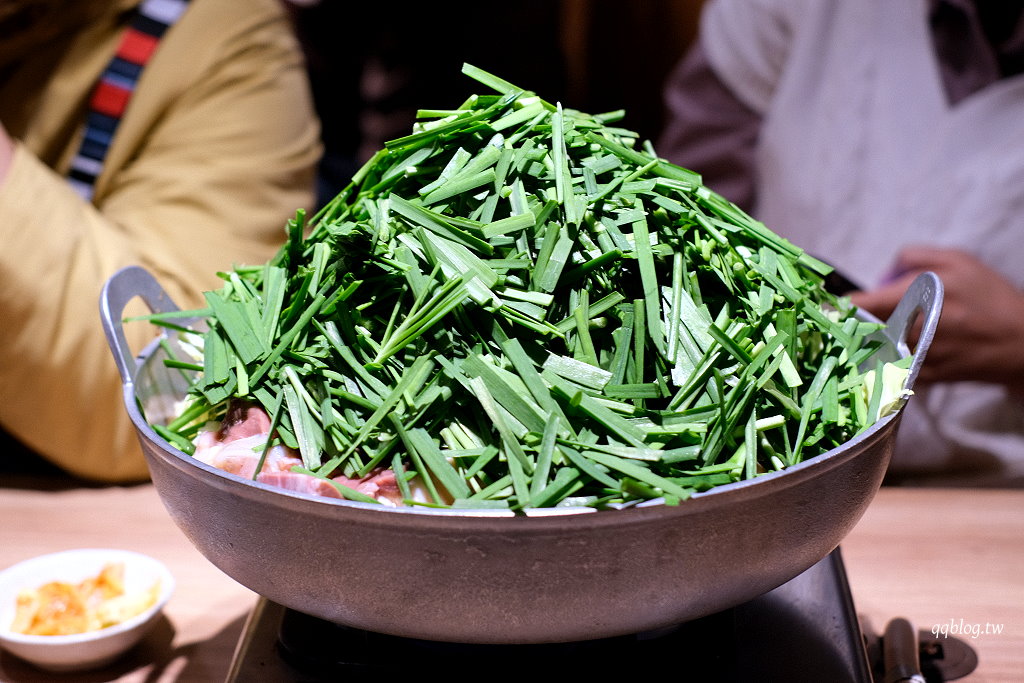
(484, 577)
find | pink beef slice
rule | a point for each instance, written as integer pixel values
(242, 420)
(234, 448)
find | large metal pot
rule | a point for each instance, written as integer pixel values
(482, 577)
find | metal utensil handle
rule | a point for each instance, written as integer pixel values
(901, 653)
(923, 297)
(122, 287)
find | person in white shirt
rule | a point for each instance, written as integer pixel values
(885, 138)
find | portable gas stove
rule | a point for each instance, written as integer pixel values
(804, 630)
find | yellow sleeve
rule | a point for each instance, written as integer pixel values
(203, 175)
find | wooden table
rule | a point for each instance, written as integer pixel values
(942, 558)
(950, 558)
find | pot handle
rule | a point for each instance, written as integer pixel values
(924, 297)
(122, 287)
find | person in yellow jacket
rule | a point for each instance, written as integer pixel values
(215, 150)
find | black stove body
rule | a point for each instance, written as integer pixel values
(804, 630)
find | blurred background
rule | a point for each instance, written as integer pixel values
(372, 65)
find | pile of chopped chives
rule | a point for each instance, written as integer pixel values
(523, 307)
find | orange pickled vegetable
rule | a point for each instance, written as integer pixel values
(60, 608)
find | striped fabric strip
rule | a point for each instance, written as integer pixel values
(113, 91)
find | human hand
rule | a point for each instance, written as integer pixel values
(982, 324)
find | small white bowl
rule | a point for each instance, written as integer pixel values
(89, 650)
